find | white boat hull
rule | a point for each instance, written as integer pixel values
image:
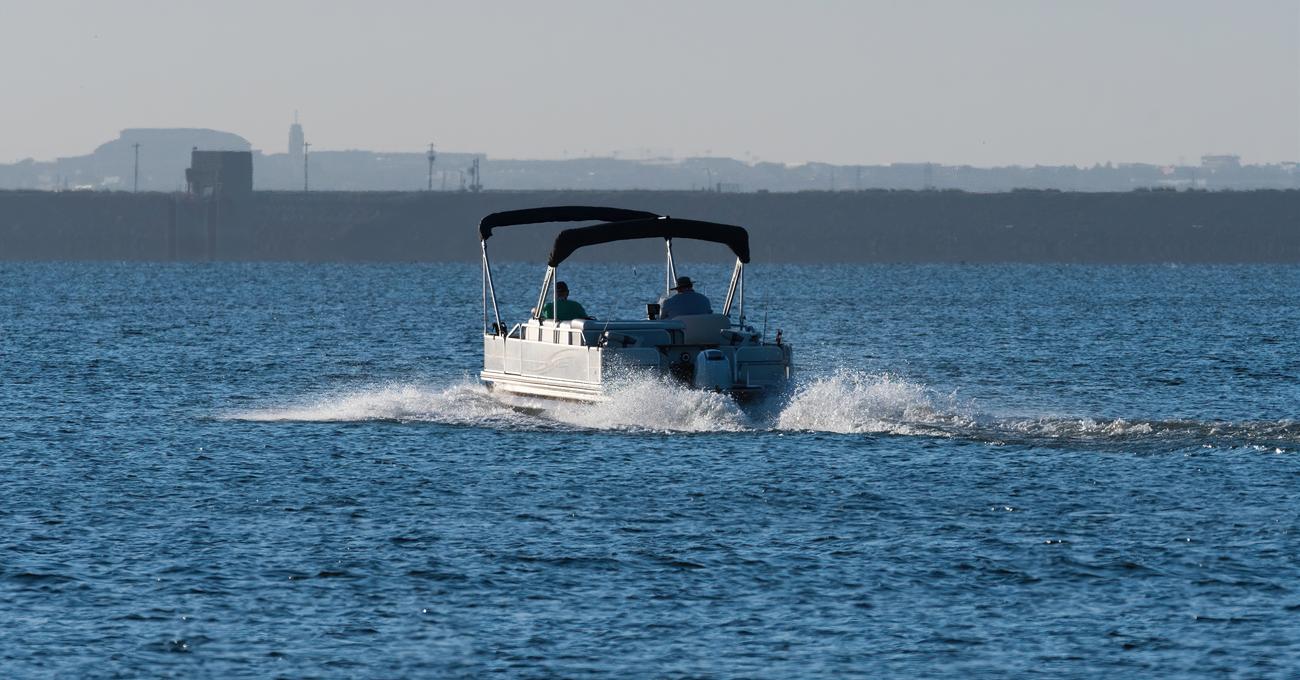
(577, 360)
(546, 388)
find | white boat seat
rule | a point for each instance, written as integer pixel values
(645, 333)
(691, 329)
(703, 329)
(616, 325)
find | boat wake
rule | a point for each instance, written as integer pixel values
(846, 402)
(644, 404)
(1282, 436)
(656, 403)
(850, 402)
(464, 403)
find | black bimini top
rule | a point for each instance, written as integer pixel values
(570, 240)
(559, 213)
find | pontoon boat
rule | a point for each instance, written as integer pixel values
(576, 359)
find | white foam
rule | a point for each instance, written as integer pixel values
(1078, 427)
(464, 403)
(845, 402)
(850, 402)
(647, 403)
(656, 403)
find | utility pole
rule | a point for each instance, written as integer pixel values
(433, 155)
(476, 179)
(135, 187)
(306, 146)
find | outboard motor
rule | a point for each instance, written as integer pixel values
(712, 370)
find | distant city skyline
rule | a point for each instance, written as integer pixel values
(985, 84)
(165, 159)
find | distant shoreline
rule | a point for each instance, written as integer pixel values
(1044, 226)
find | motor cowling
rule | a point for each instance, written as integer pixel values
(712, 370)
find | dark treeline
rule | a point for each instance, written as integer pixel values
(866, 226)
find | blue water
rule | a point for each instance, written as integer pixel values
(274, 469)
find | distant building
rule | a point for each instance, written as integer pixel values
(1218, 163)
(226, 174)
(296, 140)
(163, 156)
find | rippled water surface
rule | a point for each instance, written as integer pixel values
(225, 470)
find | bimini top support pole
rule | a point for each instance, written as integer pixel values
(742, 296)
(670, 270)
(736, 275)
(490, 289)
(483, 261)
(546, 288)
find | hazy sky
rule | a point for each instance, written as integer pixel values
(984, 83)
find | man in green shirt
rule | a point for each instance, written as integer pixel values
(567, 309)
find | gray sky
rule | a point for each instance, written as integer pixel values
(985, 83)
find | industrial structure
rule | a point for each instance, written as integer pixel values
(220, 174)
(297, 144)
